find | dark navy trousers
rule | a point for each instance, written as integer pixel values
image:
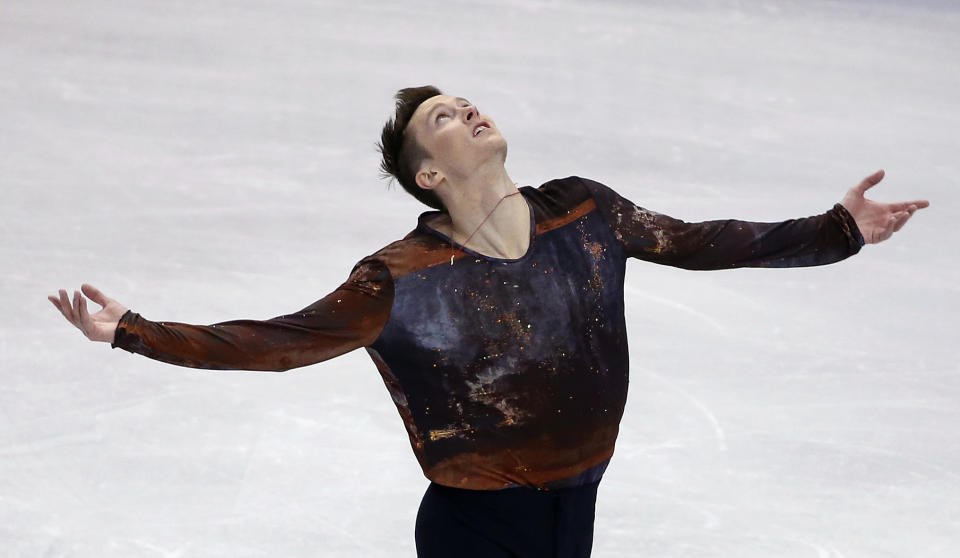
(509, 523)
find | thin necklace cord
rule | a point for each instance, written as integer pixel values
(464, 245)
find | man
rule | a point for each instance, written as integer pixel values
(497, 324)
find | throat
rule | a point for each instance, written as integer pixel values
(503, 236)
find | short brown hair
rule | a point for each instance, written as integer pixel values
(402, 153)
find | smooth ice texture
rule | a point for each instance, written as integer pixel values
(205, 161)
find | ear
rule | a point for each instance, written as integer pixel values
(429, 178)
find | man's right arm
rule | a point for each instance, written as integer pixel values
(350, 317)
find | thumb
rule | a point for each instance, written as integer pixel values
(869, 182)
(94, 294)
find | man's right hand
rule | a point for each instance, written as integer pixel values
(97, 327)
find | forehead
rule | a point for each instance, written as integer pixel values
(425, 107)
(434, 101)
(419, 118)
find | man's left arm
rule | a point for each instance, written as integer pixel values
(724, 244)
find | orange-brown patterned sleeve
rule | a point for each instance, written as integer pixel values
(723, 244)
(350, 317)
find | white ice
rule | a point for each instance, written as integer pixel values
(202, 161)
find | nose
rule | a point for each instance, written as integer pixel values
(471, 112)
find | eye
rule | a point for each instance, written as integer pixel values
(442, 114)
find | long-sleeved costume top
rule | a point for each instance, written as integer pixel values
(505, 372)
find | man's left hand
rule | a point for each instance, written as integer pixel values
(877, 221)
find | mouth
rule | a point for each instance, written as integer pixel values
(480, 127)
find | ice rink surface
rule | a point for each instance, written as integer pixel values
(202, 161)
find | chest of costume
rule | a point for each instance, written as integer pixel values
(488, 352)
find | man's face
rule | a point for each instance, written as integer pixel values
(458, 138)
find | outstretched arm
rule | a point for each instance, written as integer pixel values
(724, 244)
(350, 317)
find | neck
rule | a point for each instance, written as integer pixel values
(506, 231)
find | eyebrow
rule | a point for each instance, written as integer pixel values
(438, 105)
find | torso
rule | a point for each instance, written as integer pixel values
(509, 371)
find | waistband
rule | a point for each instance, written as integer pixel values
(584, 478)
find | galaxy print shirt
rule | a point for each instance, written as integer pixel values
(505, 372)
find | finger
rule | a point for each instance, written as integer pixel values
(76, 307)
(902, 221)
(896, 221)
(79, 311)
(84, 315)
(65, 307)
(94, 294)
(901, 206)
(56, 303)
(887, 228)
(869, 182)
